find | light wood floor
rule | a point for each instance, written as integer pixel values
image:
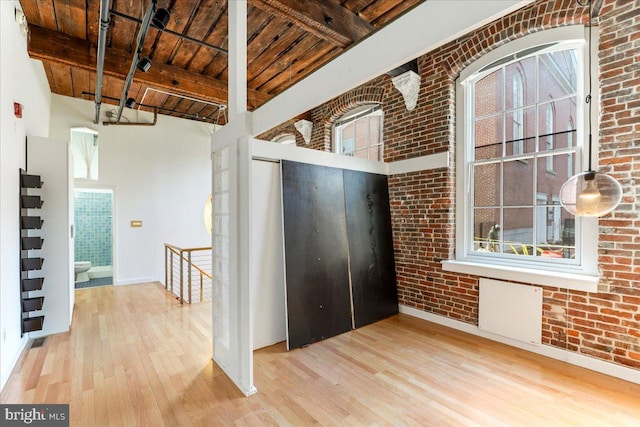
(134, 357)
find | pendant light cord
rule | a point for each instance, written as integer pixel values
(588, 97)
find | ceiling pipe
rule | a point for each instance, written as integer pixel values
(153, 123)
(142, 34)
(102, 44)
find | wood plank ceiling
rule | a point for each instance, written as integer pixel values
(287, 40)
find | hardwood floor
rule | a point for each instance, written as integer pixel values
(135, 357)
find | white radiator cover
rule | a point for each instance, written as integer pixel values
(511, 310)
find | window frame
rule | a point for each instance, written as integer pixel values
(582, 275)
(518, 113)
(550, 122)
(352, 115)
(285, 139)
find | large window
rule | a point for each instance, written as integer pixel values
(513, 158)
(358, 133)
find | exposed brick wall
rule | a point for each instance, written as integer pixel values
(606, 324)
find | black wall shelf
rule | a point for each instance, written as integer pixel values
(32, 304)
(31, 324)
(28, 243)
(34, 284)
(31, 222)
(31, 202)
(30, 181)
(30, 264)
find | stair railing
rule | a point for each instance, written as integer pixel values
(193, 263)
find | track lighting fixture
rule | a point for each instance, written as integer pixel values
(144, 64)
(161, 18)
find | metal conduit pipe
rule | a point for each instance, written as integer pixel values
(102, 42)
(153, 123)
(142, 34)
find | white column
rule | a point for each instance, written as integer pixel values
(237, 58)
(232, 333)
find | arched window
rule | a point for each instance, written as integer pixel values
(358, 133)
(511, 161)
(285, 138)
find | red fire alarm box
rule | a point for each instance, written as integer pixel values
(17, 109)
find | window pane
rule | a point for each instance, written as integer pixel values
(557, 75)
(518, 183)
(348, 146)
(567, 235)
(362, 133)
(550, 183)
(489, 94)
(488, 138)
(374, 132)
(486, 184)
(486, 230)
(518, 231)
(520, 131)
(375, 152)
(548, 227)
(520, 84)
(554, 117)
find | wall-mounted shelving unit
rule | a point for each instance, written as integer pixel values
(30, 280)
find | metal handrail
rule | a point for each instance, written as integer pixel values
(177, 252)
(169, 269)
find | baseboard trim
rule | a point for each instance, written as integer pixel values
(135, 281)
(593, 364)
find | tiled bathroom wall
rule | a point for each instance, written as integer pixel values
(93, 226)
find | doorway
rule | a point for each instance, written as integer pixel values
(94, 237)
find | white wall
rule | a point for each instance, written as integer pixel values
(21, 80)
(160, 174)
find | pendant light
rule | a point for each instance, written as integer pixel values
(590, 193)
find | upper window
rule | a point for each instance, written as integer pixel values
(358, 133)
(84, 146)
(285, 138)
(514, 158)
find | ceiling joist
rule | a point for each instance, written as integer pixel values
(327, 20)
(49, 45)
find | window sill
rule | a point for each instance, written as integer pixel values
(573, 281)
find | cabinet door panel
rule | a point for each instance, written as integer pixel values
(317, 272)
(373, 272)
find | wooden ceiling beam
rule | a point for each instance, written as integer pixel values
(327, 20)
(55, 47)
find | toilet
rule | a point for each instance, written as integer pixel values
(80, 268)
